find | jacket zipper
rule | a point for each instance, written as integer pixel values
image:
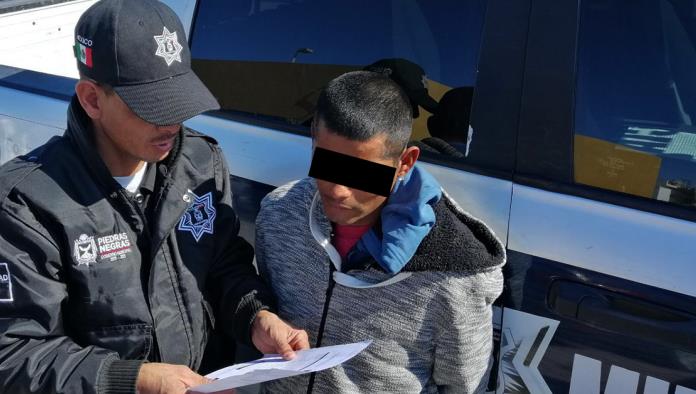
(163, 190)
(146, 230)
(320, 335)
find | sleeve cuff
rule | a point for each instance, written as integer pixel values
(119, 376)
(246, 314)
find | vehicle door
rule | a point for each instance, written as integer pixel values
(600, 295)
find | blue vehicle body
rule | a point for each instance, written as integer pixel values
(583, 158)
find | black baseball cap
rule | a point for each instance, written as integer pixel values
(139, 48)
(411, 78)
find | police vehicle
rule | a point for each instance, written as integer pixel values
(568, 126)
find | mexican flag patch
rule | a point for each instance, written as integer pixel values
(83, 54)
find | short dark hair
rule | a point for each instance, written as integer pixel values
(361, 105)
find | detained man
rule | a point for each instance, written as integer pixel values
(370, 247)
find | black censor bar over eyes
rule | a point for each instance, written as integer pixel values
(352, 172)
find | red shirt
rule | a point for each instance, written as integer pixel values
(346, 236)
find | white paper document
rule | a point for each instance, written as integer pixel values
(273, 366)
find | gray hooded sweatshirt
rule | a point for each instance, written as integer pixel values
(430, 325)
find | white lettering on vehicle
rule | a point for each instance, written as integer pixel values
(524, 341)
(586, 378)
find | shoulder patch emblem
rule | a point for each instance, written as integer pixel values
(5, 284)
(199, 217)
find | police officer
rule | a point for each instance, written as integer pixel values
(120, 257)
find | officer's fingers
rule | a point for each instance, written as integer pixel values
(284, 349)
(198, 379)
(191, 378)
(299, 340)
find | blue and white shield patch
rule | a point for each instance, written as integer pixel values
(199, 217)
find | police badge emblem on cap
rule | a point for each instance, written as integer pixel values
(168, 47)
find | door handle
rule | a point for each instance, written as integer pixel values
(623, 314)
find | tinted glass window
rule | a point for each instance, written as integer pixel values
(269, 59)
(636, 98)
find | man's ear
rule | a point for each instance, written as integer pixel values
(89, 95)
(408, 160)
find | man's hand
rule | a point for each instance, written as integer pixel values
(270, 334)
(157, 378)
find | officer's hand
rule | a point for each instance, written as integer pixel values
(157, 378)
(270, 334)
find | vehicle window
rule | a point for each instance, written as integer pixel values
(636, 98)
(269, 59)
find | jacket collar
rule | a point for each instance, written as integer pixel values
(406, 220)
(320, 227)
(80, 132)
(459, 242)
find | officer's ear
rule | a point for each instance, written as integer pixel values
(91, 96)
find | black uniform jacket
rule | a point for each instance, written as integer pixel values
(90, 284)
